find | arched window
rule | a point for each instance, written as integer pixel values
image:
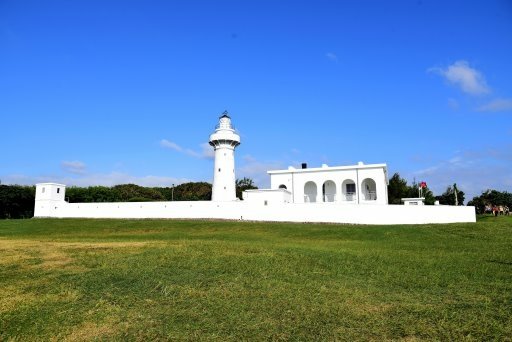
(369, 189)
(310, 192)
(282, 186)
(348, 190)
(329, 191)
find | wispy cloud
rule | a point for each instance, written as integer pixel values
(206, 151)
(257, 170)
(170, 145)
(332, 57)
(105, 179)
(474, 171)
(497, 105)
(75, 167)
(461, 74)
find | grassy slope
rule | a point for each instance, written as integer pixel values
(156, 279)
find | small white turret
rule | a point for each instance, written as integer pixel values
(224, 140)
(49, 197)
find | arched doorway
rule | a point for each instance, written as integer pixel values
(310, 192)
(329, 191)
(348, 189)
(369, 189)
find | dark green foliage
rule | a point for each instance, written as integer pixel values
(91, 194)
(199, 191)
(192, 191)
(244, 184)
(16, 201)
(132, 192)
(490, 198)
(425, 192)
(448, 197)
(398, 189)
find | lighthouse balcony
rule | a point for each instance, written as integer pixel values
(225, 137)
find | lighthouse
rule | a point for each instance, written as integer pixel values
(224, 141)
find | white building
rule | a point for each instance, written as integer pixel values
(355, 184)
(340, 194)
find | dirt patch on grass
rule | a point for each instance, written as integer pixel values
(90, 331)
(11, 297)
(9, 244)
(365, 308)
(53, 255)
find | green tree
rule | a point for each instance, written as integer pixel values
(244, 184)
(489, 198)
(17, 201)
(191, 191)
(136, 193)
(398, 189)
(425, 193)
(449, 198)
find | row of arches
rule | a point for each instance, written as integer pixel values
(329, 191)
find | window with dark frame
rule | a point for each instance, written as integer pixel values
(351, 188)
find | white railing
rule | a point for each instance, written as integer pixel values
(308, 198)
(350, 196)
(371, 195)
(329, 197)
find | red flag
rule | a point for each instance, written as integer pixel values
(423, 184)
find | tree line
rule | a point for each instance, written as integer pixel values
(17, 201)
(398, 189)
(489, 198)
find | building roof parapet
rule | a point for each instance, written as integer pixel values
(50, 183)
(329, 168)
(268, 190)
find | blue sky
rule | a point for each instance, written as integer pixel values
(108, 92)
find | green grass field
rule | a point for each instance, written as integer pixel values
(74, 279)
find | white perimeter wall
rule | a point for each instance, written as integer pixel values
(240, 210)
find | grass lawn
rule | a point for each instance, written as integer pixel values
(73, 279)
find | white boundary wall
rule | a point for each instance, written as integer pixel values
(242, 210)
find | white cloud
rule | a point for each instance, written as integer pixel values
(331, 56)
(469, 80)
(206, 151)
(170, 145)
(497, 105)
(257, 170)
(474, 171)
(76, 167)
(107, 179)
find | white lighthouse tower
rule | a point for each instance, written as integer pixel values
(224, 140)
